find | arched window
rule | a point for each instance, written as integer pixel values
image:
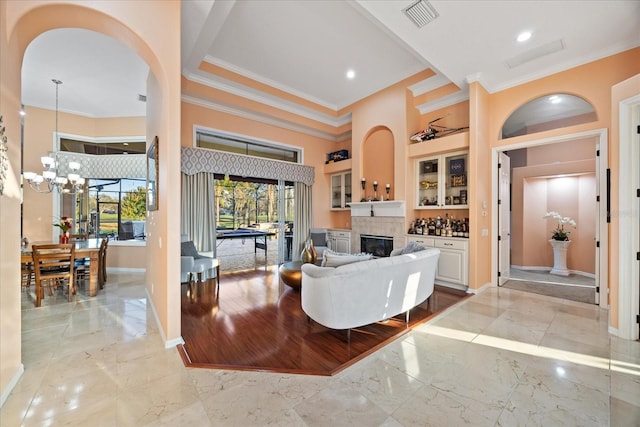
(548, 112)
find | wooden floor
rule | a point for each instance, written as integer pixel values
(255, 323)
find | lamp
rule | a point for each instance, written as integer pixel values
(72, 184)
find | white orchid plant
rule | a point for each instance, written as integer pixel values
(560, 233)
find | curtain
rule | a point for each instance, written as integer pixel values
(303, 209)
(198, 208)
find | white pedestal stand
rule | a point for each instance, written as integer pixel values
(560, 257)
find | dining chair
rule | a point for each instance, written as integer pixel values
(53, 262)
(78, 237)
(26, 272)
(102, 262)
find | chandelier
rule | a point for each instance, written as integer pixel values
(49, 179)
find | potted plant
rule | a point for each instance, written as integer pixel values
(560, 242)
(65, 226)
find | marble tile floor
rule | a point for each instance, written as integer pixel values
(500, 358)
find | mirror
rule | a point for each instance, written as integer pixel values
(152, 175)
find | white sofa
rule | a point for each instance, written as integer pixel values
(366, 292)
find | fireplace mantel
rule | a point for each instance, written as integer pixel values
(387, 208)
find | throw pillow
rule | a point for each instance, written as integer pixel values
(413, 247)
(189, 249)
(336, 259)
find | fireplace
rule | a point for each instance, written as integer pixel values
(379, 246)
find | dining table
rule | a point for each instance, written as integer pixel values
(89, 248)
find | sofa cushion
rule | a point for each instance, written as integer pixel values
(336, 259)
(412, 247)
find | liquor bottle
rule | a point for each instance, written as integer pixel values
(438, 226)
(431, 227)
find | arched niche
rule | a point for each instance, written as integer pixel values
(378, 160)
(547, 112)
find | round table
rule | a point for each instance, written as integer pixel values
(291, 273)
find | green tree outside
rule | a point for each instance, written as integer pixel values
(134, 204)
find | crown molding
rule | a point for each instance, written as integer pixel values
(443, 102)
(250, 115)
(261, 79)
(244, 92)
(427, 85)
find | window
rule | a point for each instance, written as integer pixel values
(235, 144)
(114, 208)
(548, 112)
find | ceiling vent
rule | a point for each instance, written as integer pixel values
(535, 53)
(142, 98)
(420, 13)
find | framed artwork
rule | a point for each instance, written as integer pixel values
(152, 175)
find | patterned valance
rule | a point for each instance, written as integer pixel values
(110, 166)
(196, 160)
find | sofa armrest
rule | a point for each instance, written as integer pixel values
(315, 271)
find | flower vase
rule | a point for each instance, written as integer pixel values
(560, 257)
(309, 254)
(64, 238)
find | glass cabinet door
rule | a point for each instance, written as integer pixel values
(336, 191)
(428, 182)
(455, 180)
(347, 188)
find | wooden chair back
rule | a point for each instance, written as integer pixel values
(102, 262)
(78, 237)
(53, 262)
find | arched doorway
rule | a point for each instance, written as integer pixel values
(26, 20)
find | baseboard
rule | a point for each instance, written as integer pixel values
(451, 285)
(167, 343)
(126, 270)
(614, 331)
(481, 288)
(12, 383)
(545, 268)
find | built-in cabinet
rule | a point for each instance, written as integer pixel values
(441, 181)
(340, 190)
(453, 263)
(339, 240)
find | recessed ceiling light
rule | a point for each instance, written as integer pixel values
(524, 36)
(22, 113)
(351, 74)
(555, 99)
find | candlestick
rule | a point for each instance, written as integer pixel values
(375, 190)
(363, 184)
(388, 188)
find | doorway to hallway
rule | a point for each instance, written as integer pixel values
(558, 174)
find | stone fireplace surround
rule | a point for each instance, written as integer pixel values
(388, 221)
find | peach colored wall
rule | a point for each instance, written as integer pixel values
(391, 108)
(39, 134)
(314, 149)
(154, 40)
(378, 146)
(530, 203)
(568, 151)
(620, 92)
(592, 81)
(10, 317)
(453, 116)
(126, 256)
(479, 176)
(537, 161)
(572, 196)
